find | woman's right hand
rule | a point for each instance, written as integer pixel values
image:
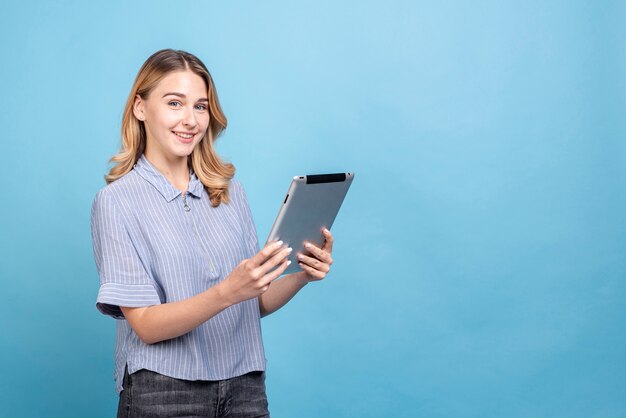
(253, 276)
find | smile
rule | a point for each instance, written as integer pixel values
(183, 135)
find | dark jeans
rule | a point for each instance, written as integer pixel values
(149, 394)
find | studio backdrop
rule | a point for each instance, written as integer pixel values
(480, 254)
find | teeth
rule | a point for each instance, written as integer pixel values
(186, 136)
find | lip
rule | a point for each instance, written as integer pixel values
(183, 139)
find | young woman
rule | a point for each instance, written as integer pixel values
(178, 257)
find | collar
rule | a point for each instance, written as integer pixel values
(145, 169)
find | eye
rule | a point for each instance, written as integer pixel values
(175, 103)
(201, 107)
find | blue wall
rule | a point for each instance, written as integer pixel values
(480, 256)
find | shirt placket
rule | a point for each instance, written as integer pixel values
(189, 213)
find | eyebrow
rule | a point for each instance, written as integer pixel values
(182, 96)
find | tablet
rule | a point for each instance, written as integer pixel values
(312, 202)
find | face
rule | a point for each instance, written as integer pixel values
(175, 115)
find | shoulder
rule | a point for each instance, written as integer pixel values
(237, 192)
(235, 186)
(111, 194)
(238, 198)
(129, 182)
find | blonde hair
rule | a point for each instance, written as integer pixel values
(212, 172)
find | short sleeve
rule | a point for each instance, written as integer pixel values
(249, 229)
(123, 277)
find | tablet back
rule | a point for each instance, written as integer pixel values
(312, 202)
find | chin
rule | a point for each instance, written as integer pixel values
(187, 150)
(184, 153)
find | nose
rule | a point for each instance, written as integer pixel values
(189, 118)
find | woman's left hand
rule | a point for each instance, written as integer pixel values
(316, 266)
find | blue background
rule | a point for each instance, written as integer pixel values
(480, 254)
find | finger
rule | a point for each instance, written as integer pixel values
(265, 253)
(275, 260)
(315, 274)
(318, 253)
(273, 275)
(314, 262)
(328, 244)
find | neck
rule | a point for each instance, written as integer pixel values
(175, 170)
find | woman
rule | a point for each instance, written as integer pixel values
(178, 257)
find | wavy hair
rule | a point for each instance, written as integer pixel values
(206, 164)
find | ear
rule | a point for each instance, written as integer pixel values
(139, 108)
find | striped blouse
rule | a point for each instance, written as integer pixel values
(153, 245)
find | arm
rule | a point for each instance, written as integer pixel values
(170, 320)
(280, 293)
(314, 269)
(250, 278)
